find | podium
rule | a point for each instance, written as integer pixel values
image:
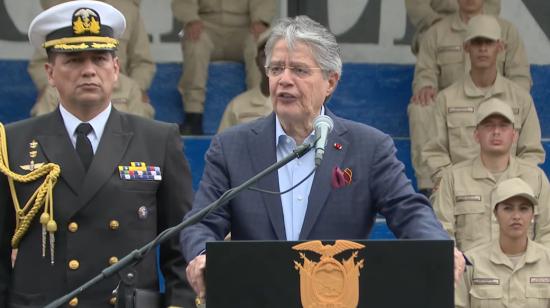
(330, 274)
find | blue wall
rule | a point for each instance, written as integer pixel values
(376, 94)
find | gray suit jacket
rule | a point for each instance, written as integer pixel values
(379, 185)
(93, 200)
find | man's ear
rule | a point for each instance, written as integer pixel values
(49, 73)
(476, 135)
(333, 79)
(466, 47)
(116, 65)
(501, 46)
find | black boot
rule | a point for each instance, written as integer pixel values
(192, 124)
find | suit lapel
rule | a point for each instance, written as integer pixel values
(262, 154)
(112, 146)
(321, 186)
(57, 148)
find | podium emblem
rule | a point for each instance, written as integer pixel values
(329, 283)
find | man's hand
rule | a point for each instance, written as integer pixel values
(193, 30)
(424, 96)
(460, 264)
(257, 28)
(13, 257)
(195, 275)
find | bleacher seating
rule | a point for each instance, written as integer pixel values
(376, 94)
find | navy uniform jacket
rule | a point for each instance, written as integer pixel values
(112, 216)
(379, 185)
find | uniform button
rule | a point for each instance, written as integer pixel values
(73, 227)
(112, 301)
(73, 302)
(113, 260)
(114, 224)
(74, 265)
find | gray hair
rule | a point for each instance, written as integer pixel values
(303, 29)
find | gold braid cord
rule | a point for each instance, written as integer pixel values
(43, 196)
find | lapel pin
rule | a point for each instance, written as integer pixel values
(338, 146)
(31, 166)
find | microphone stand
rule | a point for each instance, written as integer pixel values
(137, 255)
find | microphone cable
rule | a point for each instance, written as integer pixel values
(284, 192)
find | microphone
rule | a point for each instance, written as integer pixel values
(323, 125)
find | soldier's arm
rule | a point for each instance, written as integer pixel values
(426, 69)
(435, 153)
(529, 146)
(186, 10)
(542, 223)
(421, 14)
(516, 66)
(262, 10)
(443, 203)
(229, 118)
(462, 289)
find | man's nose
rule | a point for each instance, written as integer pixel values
(88, 67)
(286, 77)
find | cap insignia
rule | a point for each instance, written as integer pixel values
(86, 21)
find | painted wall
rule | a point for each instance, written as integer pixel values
(373, 31)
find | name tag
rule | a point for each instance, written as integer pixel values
(460, 109)
(539, 279)
(468, 198)
(449, 48)
(486, 281)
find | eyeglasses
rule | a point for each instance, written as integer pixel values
(298, 71)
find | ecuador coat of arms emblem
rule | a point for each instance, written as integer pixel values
(329, 283)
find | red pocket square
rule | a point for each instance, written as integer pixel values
(341, 178)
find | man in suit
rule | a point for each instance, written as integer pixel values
(358, 177)
(123, 180)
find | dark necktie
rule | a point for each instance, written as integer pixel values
(83, 144)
